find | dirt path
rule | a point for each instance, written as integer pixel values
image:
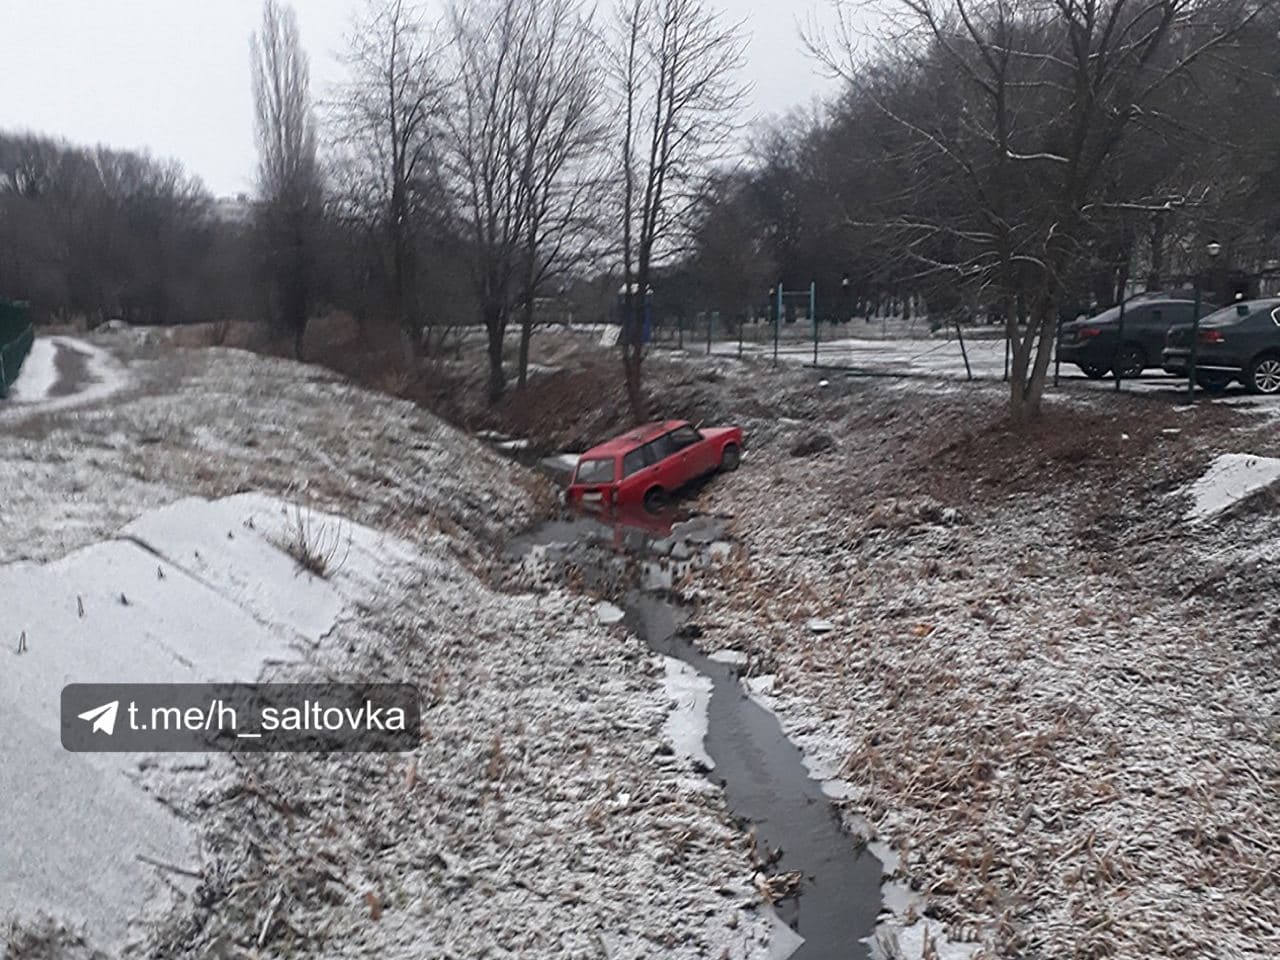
(72, 366)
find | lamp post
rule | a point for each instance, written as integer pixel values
(844, 293)
(1212, 249)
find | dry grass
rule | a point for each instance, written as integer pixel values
(319, 547)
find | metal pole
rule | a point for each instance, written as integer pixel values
(963, 352)
(1057, 343)
(1116, 365)
(1006, 349)
(710, 320)
(1195, 335)
(777, 320)
(813, 312)
(680, 330)
(741, 321)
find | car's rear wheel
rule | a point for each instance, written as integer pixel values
(1094, 371)
(1263, 375)
(655, 499)
(1213, 382)
(730, 457)
(1130, 361)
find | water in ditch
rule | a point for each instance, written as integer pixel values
(762, 773)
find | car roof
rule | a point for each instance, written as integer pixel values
(637, 436)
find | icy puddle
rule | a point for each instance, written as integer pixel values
(836, 895)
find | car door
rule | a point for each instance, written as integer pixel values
(690, 452)
(637, 476)
(666, 463)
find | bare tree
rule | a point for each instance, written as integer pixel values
(387, 118)
(674, 68)
(289, 184)
(1014, 114)
(520, 132)
(560, 136)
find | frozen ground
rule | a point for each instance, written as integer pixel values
(545, 813)
(193, 592)
(1054, 698)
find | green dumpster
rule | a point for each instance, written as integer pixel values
(16, 335)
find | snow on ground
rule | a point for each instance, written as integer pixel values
(194, 592)
(63, 372)
(686, 726)
(942, 358)
(1054, 708)
(544, 813)
(1230, 478)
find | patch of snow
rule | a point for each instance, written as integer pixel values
(686, 725)
(761, 690)
(896, 941)
(838, 789)
(608, 613)
(174, 601)
(40, 377)
(819, 625)
(1229, 479)
(736, 658)
(784, 941)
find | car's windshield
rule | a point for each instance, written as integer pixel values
(596, 470)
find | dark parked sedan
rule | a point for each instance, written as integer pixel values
(1098, 346)
(1239, 342)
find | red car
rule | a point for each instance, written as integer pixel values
(646, 465)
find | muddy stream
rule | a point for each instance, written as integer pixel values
(768, 789)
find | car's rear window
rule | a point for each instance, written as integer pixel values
(596, 470)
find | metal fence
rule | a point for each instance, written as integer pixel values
(16, 337)
(904, 345)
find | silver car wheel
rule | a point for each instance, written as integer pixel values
(1266, 376)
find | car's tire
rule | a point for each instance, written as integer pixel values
(655, 499)
(1094, 371)
(1214, 383)
(730, 457)
(1263, 375)
(1130, 362)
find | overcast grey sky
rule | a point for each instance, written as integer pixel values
(172, 76)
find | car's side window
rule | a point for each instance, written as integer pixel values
(683, 437)
(1154, 316)
(660, 449)
(634, 462)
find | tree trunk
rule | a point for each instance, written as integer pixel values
(1030, 361)
(526, 334)
(496, 327)
(1155, 277)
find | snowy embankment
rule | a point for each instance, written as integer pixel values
(1030, 702)
(1230, 478)
(544, 813)
(194, 592)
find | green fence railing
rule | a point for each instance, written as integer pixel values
(16, 336)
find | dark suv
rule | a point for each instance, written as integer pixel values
(1096, 347)
(1239, 342)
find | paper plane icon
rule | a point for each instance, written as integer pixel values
(103, 718)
